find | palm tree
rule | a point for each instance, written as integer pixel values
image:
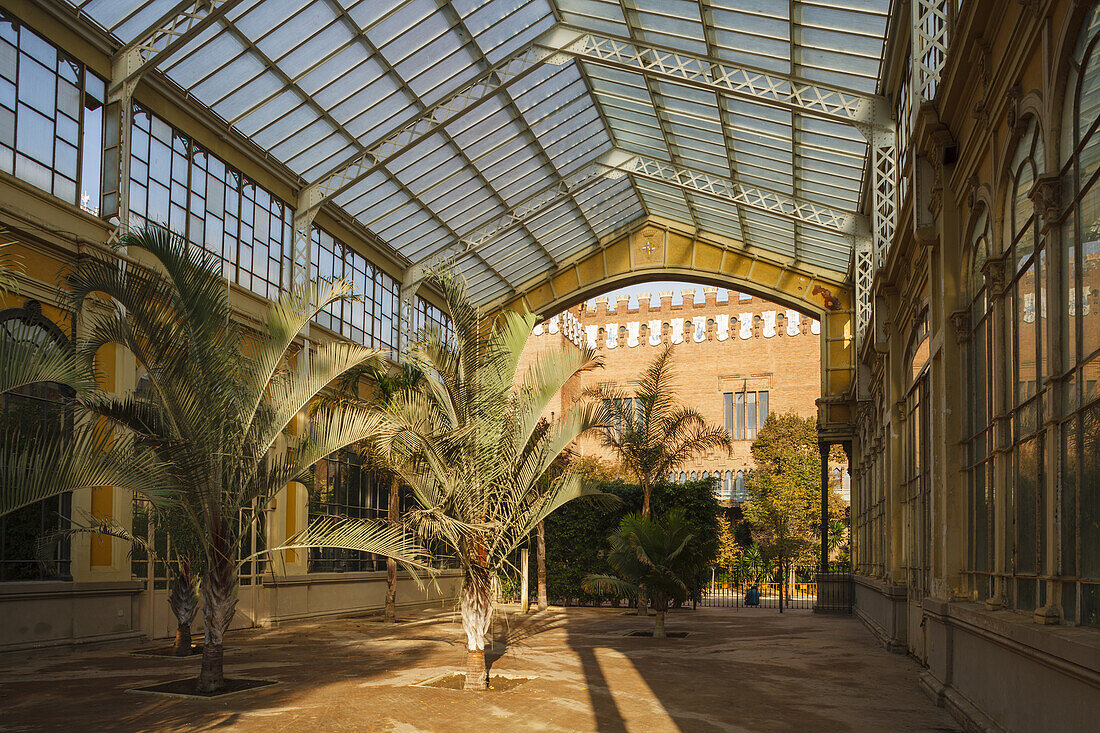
(470, 445)
(651, 433)
(385, 384)
(223, 404)
(648, 555)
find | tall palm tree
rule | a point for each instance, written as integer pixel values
(649, 556)
(649, 431)
(222, 404)
(384, 384)
(471, 446)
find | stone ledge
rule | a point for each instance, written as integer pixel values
(1074, 651)
(274, 622)
(74, 644)
(324, 578)
(37, 590)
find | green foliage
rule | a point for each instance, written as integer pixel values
(576, 534)
(650, 555)
(784, 506)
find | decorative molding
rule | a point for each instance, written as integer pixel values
(960, 319)
(994, 273)
(1013, 116)
(1046, 197)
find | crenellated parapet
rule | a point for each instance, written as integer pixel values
(739, 319)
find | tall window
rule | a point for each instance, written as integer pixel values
(727, 486)
(345, 487)
(745, 413)
(372, 319)
(1079, 427)
(979, 425)
(429, 317)
(51, 117)
(35, 408)
(918, 463)
(622, 412)
(739, 493)
(175, 182)
(1026, 333)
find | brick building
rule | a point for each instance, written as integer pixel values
(736, 358)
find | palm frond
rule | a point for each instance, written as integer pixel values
(48, 463)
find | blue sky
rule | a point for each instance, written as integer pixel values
(655, 288)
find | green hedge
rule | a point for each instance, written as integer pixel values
(576, 534)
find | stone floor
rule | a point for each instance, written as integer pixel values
(737, 670)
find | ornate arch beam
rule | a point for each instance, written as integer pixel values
(653, 249)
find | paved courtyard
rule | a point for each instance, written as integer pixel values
(737, 670)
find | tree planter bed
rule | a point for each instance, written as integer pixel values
(186, 688)
(457, 681)
(167, 651)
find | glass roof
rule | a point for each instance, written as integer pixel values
(504, 171)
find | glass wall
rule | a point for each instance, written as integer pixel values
(372, 319)
(345, 487)
(51, 117)
(1079, 420)
(175, 182)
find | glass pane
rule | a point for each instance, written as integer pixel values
(1027, 520)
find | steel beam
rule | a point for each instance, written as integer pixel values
(788, 92)
(773, 202)
(171, 32)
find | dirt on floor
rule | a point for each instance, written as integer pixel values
(736, 670)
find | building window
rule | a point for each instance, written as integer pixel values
(745, 413)
(345, 487)
(1078, 434)
(694, 477)
(1027, 333)
(40, 407)
(739, 493)
(978, 427)
(51, 117)
(176, 183)
(744, 298)
(372, 319)
(683, 477)
(727, 486)
(917, 469)
(621, 412)
(427, 316)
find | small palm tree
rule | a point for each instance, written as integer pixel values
(650, 432)
(223, 405)
(648, 555)
(470, 444)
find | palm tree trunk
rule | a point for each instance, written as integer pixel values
(540, 558)
(184, 602)
(219, 593)
(659, 625)
(391, 564)
(477, 614)
(645, 497)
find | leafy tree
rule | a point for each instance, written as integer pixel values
(729, 552)
(650, 432)
(472, 447)
(222, 403)
(648, 555)
(784, 506)
(569, 533)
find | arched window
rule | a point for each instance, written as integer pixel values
(693, 476)
(978, 366)
(683, 477)
(739, 487)
(728, 487)
(38, 407)
(1025, 262)
(1079, 428)
(705, 475)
